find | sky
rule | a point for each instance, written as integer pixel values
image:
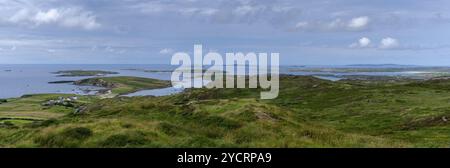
(314, 32)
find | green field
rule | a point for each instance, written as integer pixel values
(309, 112)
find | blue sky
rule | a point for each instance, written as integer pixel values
(319, 32)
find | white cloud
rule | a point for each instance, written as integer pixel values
(51, 15)
(150, 7)
(51, 50)
(389, 43)
(166, 51)
(208, 11)
(355, 24)
(66, 17)
(20, 15)
(385, 43)
(238, 11)
(359, 23)
(157, 7)
(302, 25)
(197, 11)
(282, 8)
(109, 49)
(362, 43)
(247, 10)
(338, 24)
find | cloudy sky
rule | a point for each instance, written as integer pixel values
(319, 32)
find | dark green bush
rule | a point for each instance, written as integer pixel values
(70, 137)
(8, 124)
(77, 133)
(124, 140)
(219, 122)
(168, 128)
(198, 142)
(54, 141)
(44, 123)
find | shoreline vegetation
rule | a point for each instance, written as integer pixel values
(309, 112)
(121, 85)
(75, 73)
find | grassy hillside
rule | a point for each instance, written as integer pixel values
(156, 122)
(309, 112)
(414, 112)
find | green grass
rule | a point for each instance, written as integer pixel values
(29, 108)
(309, 112)
(158, 124)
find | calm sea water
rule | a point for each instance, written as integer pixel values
(17, 80)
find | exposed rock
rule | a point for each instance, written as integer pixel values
(80, 110)
(104, 91)
(61, 101)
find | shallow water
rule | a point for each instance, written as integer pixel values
(156, 92)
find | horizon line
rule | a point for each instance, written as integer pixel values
(358, 64)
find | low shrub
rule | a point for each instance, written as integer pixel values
(219, 122)
(68, 138)
(124, 140)
(168, 128)
(77, 133)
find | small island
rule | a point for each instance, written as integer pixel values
(121, 85)
(74, 73)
